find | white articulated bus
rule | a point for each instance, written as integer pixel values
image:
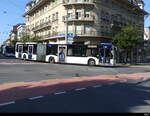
(100, 54)
(26, 51)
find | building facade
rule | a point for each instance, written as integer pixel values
(13, 35)
(90, 21)
(6, 42)
(21, 30)
(147, 33)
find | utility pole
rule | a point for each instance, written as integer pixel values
(113, 54)
(66, 29)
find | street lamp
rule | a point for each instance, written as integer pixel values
(66, 29)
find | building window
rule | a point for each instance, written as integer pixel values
(87, 13)
(87, 29)
(70, 29)
(53, 17)
(78, 14)
(70, 13)
(57, 16)
(78, 29)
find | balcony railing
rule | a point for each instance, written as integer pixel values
(76, 18)
(42, 26)
(106, 34)
(52, 35)
(81, 33)
(117, 24)
(94, 34)
(76, 2)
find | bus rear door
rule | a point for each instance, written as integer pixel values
(62, 51)
(30, 52)
(20, 51)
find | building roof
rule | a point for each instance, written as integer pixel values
(37, 5)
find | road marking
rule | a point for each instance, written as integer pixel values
(58, 93)
(145, 79)
(97, 86)
(38, 97)
(112, 83)
(80, 89)
(123, 81)
(7, 103)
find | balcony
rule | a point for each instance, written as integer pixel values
(53, 35)
(42, 26)
(79, 2)
(118, 24)
(86, 34)
(105, 34)
(75, 18)
(99, 33)
(81, 33)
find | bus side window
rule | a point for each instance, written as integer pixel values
(25, 48)
(52, 50)
(35, 49)
(94, 52)
(88, 52)
(69, 52)
(48, 50)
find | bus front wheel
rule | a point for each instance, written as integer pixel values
(91, 62)
(51, 60)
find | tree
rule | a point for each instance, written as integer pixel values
(129, 38)
(13, 42)
(29, 38)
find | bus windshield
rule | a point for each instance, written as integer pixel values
(10, 49)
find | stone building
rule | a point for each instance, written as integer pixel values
(91, 21)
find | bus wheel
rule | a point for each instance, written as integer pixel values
(91, 62)
(24, 57)
(51, 60)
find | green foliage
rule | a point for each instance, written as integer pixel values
(28, 38)
(128, 37)
(13, 42)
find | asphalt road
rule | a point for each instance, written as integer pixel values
(117, 98)
(36, 72)
(133, 96)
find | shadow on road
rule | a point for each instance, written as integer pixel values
(4, 57)
(117, 98)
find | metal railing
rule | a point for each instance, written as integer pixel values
(77, 18)
(41, 26)
(94, 33)
(82, 33)
(78, 1)
(53, 34)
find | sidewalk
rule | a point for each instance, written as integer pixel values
(137, 64)
(15, 91)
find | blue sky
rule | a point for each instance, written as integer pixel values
(11, 12)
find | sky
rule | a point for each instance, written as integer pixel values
(11, 12)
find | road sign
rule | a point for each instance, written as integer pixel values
(70, 36)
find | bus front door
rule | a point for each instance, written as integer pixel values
(20, 51)
(30, 52)
(62, 51)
